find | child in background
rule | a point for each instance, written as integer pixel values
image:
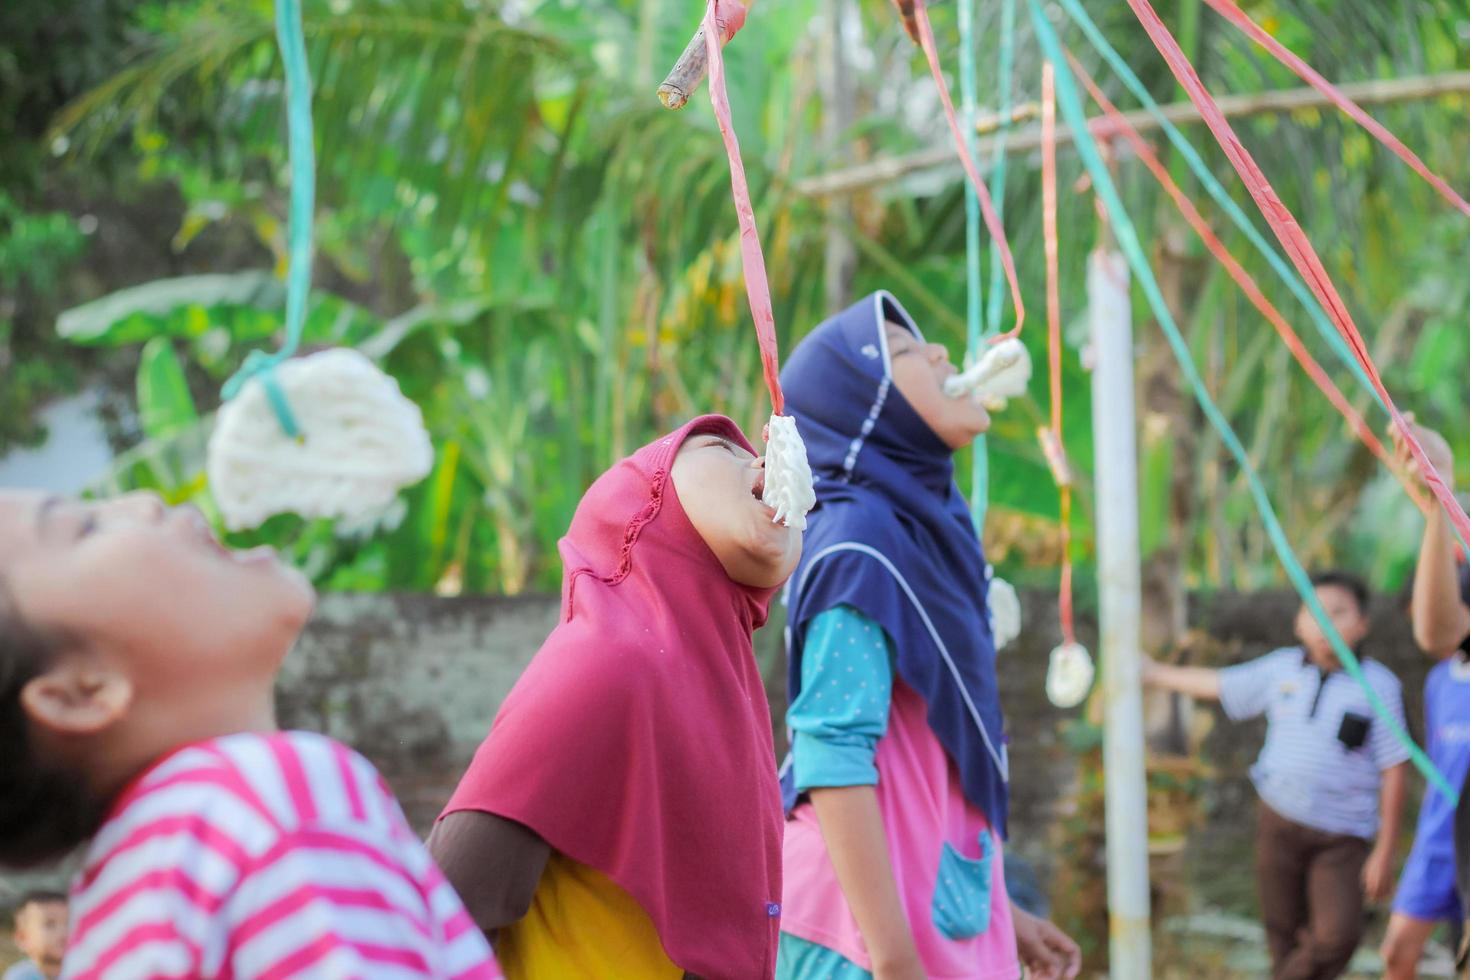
(622, 818)
(1331, 777)
(1430, 888)
(137, 662)
(898, 780)
(1426, 895)
(40, 932)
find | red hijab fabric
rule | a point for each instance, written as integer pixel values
(638, 741)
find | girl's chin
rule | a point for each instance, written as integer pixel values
(974, 428)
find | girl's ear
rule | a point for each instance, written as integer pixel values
(79, 696)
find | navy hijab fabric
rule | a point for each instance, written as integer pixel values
(891, 536)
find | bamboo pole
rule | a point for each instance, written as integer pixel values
(681, 81)
(1114, 438)
(1377, 92)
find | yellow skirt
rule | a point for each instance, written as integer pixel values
(581, 924)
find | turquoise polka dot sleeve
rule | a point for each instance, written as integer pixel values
(842, 711)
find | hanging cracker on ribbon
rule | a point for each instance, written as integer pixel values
(1000, 374)
(1069, 675)
(1070, 670)
(1056, 456)
(361, 442)
(327, 435)
(1003, 607)
(789, 491)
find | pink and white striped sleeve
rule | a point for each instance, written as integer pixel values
(328, 903)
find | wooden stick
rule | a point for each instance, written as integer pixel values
(686, 74)
(1377, 92)
(684, 78)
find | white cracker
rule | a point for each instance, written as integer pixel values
(361, 441)
(788, 474)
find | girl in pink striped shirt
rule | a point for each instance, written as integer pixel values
(137, 661)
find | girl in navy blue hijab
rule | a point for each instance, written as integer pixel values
(897, 784)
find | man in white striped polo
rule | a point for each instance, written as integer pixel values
(1331, 778)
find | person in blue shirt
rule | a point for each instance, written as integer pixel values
(40, 932)
(1434, 882)
(1331, 778)
(1426, 895)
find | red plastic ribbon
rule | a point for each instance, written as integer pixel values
(1294, 240)
(1304, 71)
(722, 18)
(1054, 335)
(1118, 123)
(987, 208)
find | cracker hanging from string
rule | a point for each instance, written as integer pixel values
(788, 474)
(328, 435)
(361, 441)
(1000, 374)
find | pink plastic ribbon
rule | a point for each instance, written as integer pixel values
(1119, 124)
(987, 208)
(722, 18)
(1294, 240)
(1304, 71)
(1052, 442)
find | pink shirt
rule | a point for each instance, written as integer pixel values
(266, 856)
(923, 808)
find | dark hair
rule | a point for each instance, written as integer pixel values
(40, 896)
(1347, 581)
(44, 811)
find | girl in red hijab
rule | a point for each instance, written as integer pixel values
(623, 817)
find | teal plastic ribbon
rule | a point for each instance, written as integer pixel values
(1070, 102)
(258, 364)
(1220, 195)
(974, 313)
(978, 331)
(1233, 211)
(998, 156)
(974, 321)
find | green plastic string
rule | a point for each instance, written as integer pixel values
(974, 319)
(258, 364)
(1218, 192)
(998, 157)
(1233, 211)
(1070, 102)
(974, 316)
(980, 463)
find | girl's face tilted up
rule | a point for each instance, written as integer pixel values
(919, 371)
(164, 634)
(719, 486)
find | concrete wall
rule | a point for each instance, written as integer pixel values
(413, 682)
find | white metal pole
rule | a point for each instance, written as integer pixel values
(1116, 469)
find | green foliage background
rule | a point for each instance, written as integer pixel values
(546, 259)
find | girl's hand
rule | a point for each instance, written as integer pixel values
(1047, 953)
(1436, 449)
(1148, 669)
